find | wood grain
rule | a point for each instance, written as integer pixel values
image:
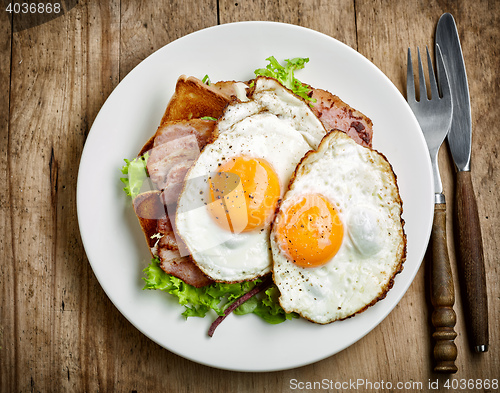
(146, 28)
(335, 18)
(59, 331)
(8, 336)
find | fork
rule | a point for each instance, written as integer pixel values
(434, 116)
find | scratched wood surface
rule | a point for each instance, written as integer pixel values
(58, 330)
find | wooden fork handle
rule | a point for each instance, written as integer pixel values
(471, 263)
(442, 296)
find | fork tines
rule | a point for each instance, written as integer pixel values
(410, 83)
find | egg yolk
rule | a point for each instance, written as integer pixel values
(244, 192)
(310, 231)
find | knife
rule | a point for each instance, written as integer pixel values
(470, 247)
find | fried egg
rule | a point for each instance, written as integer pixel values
(338, 240)
(231, 192)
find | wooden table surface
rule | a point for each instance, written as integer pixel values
(58, 329)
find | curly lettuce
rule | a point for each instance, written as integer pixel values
(136, 172)
(266, 306)
(286, 75)
(217, 297)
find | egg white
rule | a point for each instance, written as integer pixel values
(268, 95)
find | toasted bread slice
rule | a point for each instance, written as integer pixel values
(193, 99)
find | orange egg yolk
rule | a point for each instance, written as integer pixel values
(244, 192)
(310, 231)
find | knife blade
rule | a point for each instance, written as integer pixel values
(470, 248)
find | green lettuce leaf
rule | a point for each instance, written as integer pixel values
(217, 297)
(285, 74)
(136, 172)
(206, 80)
(266, 306)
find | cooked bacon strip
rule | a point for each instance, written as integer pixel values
(148, 208)
(174, 183)
(172, 262)
(201, 129)
(242, 299)
(175, 147)
(336, 114)
(173, 156)
(169, 130)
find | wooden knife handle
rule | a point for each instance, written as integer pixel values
(442, 296)
(471, 263)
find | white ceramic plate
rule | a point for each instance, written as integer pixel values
(112, 237)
